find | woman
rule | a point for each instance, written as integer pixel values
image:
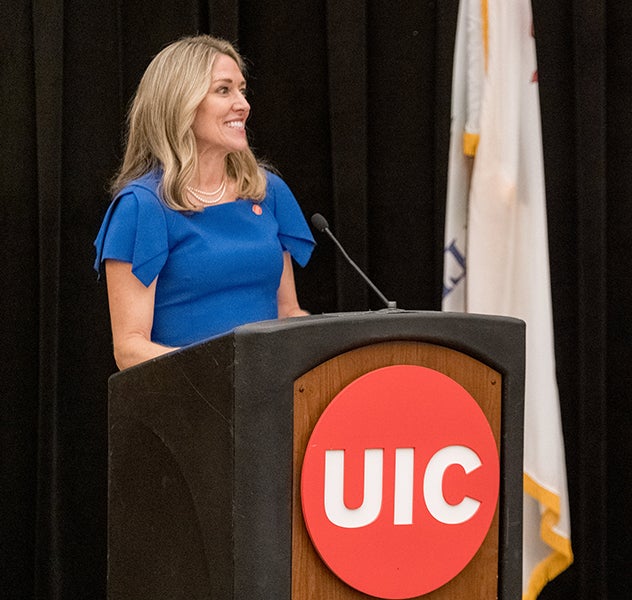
(200, 237)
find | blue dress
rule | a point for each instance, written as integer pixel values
(217, 268)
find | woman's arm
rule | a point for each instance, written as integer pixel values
(286, 296)
(131, 315)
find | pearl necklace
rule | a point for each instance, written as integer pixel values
(199, 194)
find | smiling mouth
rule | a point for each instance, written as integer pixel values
(235, 124)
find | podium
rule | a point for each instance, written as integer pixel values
(206, 446)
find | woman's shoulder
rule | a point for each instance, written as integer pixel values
(275, 181)
(137, 207)
(277, 191)
(144, 189)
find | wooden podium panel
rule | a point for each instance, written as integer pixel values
(311, 578)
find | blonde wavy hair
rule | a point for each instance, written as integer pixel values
(159, 123)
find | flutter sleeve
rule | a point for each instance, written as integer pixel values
(294, 233)
(134, 230)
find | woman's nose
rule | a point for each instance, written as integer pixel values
(241, 103)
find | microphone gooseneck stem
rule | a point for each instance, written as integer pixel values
(388, 303)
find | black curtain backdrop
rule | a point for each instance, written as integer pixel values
(351, 102)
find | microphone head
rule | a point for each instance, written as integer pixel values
(319, 222)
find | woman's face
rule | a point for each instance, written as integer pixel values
(219, 125)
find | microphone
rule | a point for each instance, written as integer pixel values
(320, 223)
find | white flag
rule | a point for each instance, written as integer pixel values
(503, 211)
(467, 82)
